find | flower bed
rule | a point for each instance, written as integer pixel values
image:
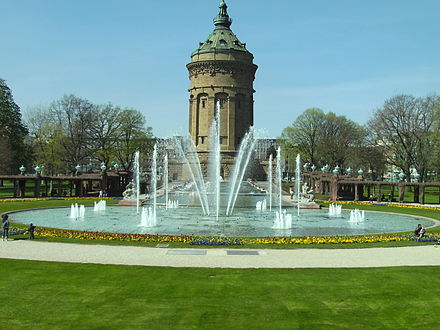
(197, 240)
(10, 200)
(409, 206)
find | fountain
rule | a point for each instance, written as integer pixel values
(77, 211)
(172, 204)
(261, 205)
(99, 206)
(303, 196)
(270, 181)
(334, 210)
(241, 164)
(136, 180)
(154, 185)
(282, 220)
(215, 161)
(165, 178)
(148, 217)
(298, 181)
(186, 150)
(357, 216)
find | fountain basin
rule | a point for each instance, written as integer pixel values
(244, 222)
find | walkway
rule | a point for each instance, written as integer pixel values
(221, 258)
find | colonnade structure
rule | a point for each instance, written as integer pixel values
(357, 188)
(80, 185)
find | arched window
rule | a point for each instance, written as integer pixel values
(223, 99)
(203, 101)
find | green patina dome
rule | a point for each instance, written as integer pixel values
(222, 38)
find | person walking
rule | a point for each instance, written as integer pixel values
(5, 227)
(31, 230)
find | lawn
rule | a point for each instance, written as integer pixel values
(49, 295)
(7, 189)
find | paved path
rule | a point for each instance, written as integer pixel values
(221, 258)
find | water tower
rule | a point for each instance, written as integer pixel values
(221, 69)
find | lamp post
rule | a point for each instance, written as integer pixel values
(401, 176)
(37, 170)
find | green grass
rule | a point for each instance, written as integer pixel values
(7, 190)
(49, 295)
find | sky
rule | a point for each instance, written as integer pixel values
(344, 56)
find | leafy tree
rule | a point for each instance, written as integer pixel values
(133, 135)
(75, 117)
(339, 139)
(322, 138)
(105, 132)
(404, 127)
(46, 140)
(305, 134)
(74, 131)
(12, 132)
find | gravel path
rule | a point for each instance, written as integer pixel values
(221, 258)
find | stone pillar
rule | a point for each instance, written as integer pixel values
(104, 181)
(422, 192)
(379, 192)
(37, 186)
(401, 192)
(416, 193)
(334, 188)
(22, 188)
(356, 192)
(14, 183)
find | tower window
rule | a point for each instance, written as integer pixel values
(223, 42)
(203, 104)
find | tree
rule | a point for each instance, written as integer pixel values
(12, 132)
(339, 139)
(75, 117)
(105, 132)
(46, 137)
(404, 127)
(304, 135)
(73, 131)
(133, 135)
(322, 138)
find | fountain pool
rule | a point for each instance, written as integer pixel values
(244, 222)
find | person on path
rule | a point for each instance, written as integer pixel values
(31, 230)
(5, 227)
(422, 232)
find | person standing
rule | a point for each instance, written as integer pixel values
(5, 227)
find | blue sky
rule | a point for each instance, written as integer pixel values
(345, 56)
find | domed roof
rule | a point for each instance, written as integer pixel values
(222, 38)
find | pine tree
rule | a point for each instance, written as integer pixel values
(12, 132)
